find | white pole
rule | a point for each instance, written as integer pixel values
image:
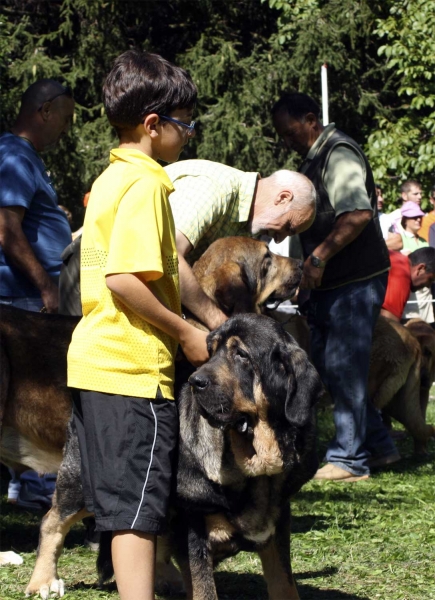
(325, 101)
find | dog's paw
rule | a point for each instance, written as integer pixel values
(168, 579)
(54, 589)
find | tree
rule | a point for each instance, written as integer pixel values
(402, 145)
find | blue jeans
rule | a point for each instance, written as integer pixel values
(45, 484)
(32, 304)
(342, 323)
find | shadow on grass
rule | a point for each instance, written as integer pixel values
(248, 586)
(245, 586)
(20, 529)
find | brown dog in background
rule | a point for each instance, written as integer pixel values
(402, 369)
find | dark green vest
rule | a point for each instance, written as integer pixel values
(367, 254)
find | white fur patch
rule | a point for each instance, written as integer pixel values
(18, 449)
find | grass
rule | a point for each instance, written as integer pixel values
(371, 539)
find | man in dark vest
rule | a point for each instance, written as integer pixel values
(346, 270)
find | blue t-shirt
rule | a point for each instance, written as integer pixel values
(25, 182)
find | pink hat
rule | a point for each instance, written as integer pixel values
(411, 209)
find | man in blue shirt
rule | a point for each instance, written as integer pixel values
(33, 229)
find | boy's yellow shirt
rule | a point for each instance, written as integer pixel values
(128, 228)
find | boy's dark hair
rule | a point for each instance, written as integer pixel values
(141, 83)
(297, 105)
(424, 255)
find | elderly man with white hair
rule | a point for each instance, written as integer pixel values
(212, 200)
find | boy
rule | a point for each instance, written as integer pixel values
(121, 356)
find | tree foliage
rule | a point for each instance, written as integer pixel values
(402, 144)
(241, 55)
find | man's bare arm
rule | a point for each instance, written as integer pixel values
(347, 228)
(192, 296)
(18, 250)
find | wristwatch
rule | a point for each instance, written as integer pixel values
(316, 262)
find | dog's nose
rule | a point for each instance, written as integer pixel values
(199, 381)
(301, 265)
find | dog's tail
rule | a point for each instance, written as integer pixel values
(104, 560)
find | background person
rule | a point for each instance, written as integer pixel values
(212, 200)
(346, 265)
(410, 191)
(33, 229)
(384, 219)
(429, 218)
(407, 240)
(407, 274)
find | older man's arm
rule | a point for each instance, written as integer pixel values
(347, 228)
(192, 296)
(18, 250)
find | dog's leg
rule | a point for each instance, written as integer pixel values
(168, 577)
(4, 383)
(54, 527)
(195, 559)
(406, 408)
(275, 558)
(420, 447)
(68, 508)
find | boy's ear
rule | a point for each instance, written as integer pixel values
(150, 124)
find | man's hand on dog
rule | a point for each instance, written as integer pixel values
(194, 345)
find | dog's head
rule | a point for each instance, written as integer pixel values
(242, 275)
(260, 388)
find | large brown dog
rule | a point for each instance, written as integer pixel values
(402, 369)
(268, 455)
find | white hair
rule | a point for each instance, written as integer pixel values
(304, 192)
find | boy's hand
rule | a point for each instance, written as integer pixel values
(193, 343)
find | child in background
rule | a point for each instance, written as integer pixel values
(121, 358)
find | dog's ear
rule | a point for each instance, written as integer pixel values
(303, 384)
(235, 288)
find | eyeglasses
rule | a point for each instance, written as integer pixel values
(66, 92)
(189, 127)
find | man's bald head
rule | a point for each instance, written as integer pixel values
(40, 92)
(46, 112)
(285, 204)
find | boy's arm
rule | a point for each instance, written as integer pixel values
(192, 295)
(133, 291)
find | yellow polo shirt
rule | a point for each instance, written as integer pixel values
(128, 229)
(210, 201)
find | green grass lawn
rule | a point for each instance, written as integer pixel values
(371, 539)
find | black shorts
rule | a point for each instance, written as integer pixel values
(127, 448)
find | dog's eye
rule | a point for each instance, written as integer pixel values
(241, 354)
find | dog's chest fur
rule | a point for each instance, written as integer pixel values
(238, 512)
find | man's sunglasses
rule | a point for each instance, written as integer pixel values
(190, 127)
